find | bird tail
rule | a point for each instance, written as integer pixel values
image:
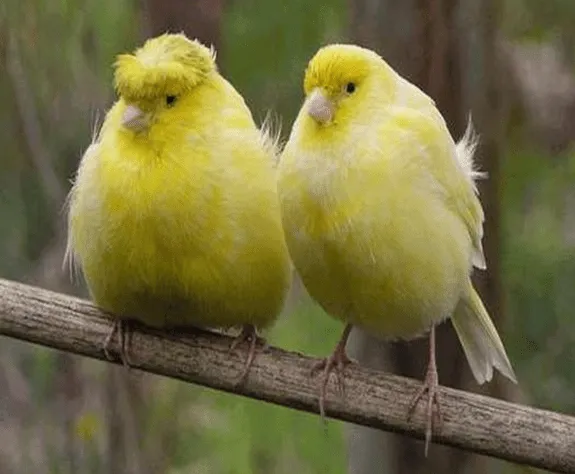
(478, 336)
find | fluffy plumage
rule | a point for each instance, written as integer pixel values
(380, 209)
(174, 217)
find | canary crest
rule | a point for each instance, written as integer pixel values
(170, 64)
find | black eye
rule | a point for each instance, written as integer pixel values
(170, 100)
(350, 88)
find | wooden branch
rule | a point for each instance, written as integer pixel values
(472, 422)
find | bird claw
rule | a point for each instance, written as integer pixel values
(122, 328)
(336, 362)
(249, 335)
(434, 417)
(108, 341)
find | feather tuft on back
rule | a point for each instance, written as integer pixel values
(465, 152)
(270, 132)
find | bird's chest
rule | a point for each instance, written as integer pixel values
(142, 220)
(320, 221)
(363, 255)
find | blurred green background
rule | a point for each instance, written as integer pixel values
(511, 62)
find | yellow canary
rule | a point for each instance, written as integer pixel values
(174, 216)
(381, 213)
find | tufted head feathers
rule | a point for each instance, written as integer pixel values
(169, 64)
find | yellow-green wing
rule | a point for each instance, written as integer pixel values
(451, 166)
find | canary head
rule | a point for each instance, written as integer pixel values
(158, 75)
(343, 81)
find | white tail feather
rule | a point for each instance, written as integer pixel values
(479, 339)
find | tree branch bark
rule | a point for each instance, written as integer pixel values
(472, 422)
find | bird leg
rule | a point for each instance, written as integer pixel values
(335, 362)
(430, 386)
(250, 336)
(122, 328)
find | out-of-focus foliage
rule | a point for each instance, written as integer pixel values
(538, 260)
(61, 415)
(56, 58)
(266, 52)
(549, 20)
